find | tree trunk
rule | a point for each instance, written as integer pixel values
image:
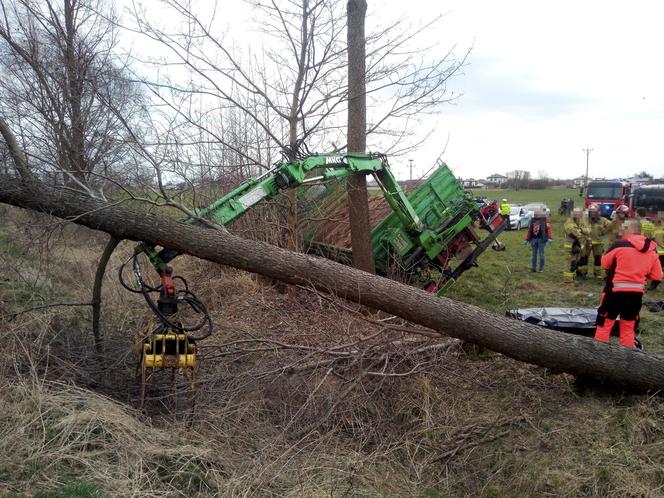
(96, 292)
(519, 340)
(358, 203)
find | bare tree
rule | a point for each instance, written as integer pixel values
(292, 91)
(518, 178)
(61, 77)
(644, 174)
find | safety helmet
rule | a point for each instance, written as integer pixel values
(504, 200)
(622, 209)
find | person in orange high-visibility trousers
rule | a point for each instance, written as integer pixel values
(629, 263)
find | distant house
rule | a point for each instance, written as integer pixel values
(472, 183)
(496, 179)
(579, 182)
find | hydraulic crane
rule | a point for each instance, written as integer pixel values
(429, 239)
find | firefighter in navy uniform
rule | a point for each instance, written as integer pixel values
(629, 263)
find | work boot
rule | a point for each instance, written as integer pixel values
(603, 332)
(627, 333)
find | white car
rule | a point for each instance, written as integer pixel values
(532, 206)
(519, 217)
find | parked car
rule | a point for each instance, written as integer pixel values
(519, 217)
(532, 206)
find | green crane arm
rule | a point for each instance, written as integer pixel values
(291, 174)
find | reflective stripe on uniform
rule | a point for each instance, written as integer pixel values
(629, 285)
(567, 246)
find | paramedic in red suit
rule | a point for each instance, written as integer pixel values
(629, 262)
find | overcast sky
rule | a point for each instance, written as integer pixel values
(547, 79)
(544, 81)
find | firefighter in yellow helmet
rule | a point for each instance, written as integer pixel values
(615, 229)
(599, 227)
(577, 246)
(647, 226)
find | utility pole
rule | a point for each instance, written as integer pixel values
(587, 151)
(411, 169)
(358, 200)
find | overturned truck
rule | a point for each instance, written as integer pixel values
(427, 236)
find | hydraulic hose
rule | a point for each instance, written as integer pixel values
(183, 296)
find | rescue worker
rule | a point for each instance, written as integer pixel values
(619, 217)
(577, 246)
(658, 234)
(539, 234)
(505, 212)
(629, 262)
(599, 227)
(647, 226)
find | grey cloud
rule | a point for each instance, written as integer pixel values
(486, 87)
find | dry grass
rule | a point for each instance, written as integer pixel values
(301, 397)
(55, 434)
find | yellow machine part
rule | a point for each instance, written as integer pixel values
(169, 350)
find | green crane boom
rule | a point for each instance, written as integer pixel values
(420, 239)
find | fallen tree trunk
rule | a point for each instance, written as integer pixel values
(519, 340)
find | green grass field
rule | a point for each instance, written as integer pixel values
(504, 281)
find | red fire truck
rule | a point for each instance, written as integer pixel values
(607, 194)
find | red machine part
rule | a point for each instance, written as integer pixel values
(167, 281)
(459, 248)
